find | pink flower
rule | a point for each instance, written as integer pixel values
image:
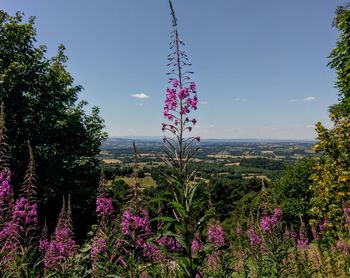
(193, 86)
(170, 243)
(197, 245)
(254, 239)
(216, 235)
(104, 207)
(239, 231)
(175, 83)
(270, 222)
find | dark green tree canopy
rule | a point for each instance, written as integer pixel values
(41, 106)
(340, 62)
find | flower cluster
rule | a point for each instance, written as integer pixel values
(6, 197)
(324, 225)
(170, 243)
(216, 235)
(343, 246)
(44, 244)
(5, 188)
(197, 245)
(104, 207)
(99, 246)
(269, 222)
(178, 103)
(254, 239)
(135, 223)
(303, 239)
(62, 246)
(25, 213)
(9, 238)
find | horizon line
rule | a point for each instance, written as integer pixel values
(211, 138)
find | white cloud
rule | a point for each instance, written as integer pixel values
(204, 102)
(303, 99)
(309, 99)
(141, 95)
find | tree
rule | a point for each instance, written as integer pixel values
(331, 178)
(293, 191)
(41, 107)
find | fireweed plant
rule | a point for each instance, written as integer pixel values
(188, 217)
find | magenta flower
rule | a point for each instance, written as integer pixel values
(216, 235)
(270, 222)
(323, 226)
(9, 237)
(131, 222)
(44, 244)
(62, 245)
(178, 103)
(170, 243)
(104, 207)
(303, 239)
(254, 239)
(6, 197)
(197, 245)
(98, 247)
(25, 214)
(5, 187)
(60, 249)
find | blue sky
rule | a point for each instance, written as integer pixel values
(260, 66)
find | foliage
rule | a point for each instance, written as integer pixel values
(292, 190)
(331, 178)
(40, 101)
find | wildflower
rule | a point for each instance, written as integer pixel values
(239, 231)
(9, 237)
(323, 226)
(98, 247)
(104, 207)
(5, 187)
(303, 240)
(170, 243)
(286, 234)
(6, 197)
(314, 232)
(213, 261)
(343, 246)
(193, 86)
(25, 213)
(44, 241)
(268, 223)
(62, 246)
(197, 245)
(254, 239)
(216, 235)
